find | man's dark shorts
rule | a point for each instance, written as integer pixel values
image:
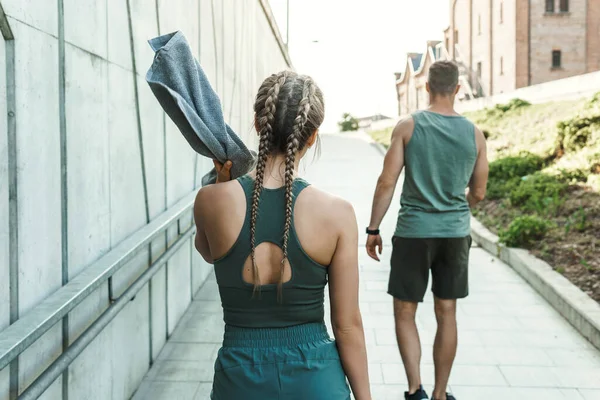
(413, 258)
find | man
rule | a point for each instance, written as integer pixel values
(444, 154)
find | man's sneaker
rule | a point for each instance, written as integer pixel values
(418, 395)
(448, 397)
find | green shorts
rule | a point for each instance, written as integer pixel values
(296, 363)
(413, 258)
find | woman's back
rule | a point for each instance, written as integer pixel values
(311, 245)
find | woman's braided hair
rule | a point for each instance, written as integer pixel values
(288, 110)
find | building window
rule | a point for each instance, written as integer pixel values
(455, 37)
(549, 6)
(564, 6)
(501, 12)
(501, 65)
(556, 59)
(479, 24)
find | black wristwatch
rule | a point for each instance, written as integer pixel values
(372, 231)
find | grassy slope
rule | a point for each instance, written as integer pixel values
(534, 129)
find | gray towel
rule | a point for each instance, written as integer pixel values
(184, 92)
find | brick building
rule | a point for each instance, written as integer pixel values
(503, 45)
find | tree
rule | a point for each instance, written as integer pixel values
(348, 123)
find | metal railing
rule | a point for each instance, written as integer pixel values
(26, 330)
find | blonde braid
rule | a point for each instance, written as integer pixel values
(265, 122)
(293, 145)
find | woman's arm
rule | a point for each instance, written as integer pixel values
(201, 240)
(345, 313)
(204, 198)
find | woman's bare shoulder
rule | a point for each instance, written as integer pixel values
(219, 196)
(328, 206)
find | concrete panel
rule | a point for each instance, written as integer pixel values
(88, 163)
(183, 17)
(178, 286)
(153, 134)
(41, 14)
(90, 374)
(127, 204)
(38, 165)
(178, 282)
(229, 58)
(86, 25)
(200, 268)
(130, 272)
(208, 56)
(4, 229)
(119, 44)
(82, 316)
(145, 26)
(4, 383)
(159, 309)
(130, 346)
(34, 360)
(218, 26)
(180, 164)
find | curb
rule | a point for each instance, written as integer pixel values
(571, 302)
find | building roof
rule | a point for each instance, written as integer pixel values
(416, 61)
(375, 117)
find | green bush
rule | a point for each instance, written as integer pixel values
(348, 123)
(577, 221)
(539, 193)
(594, 101)
(499, 189)
(573, 176)
(508, 168)
(500, 109)
(574, 133)
(524, 231)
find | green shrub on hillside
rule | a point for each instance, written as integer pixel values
(540, 193)
(519, 166)
(506, 173)
(500, 109)
(594, 101)
(575, 133)
(524, 231)
(573, 176)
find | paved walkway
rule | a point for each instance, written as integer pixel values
(512, 344)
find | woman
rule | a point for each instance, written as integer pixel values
(275, 241)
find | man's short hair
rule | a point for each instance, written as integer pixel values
(443, 78)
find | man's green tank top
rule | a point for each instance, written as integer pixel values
(303, 295)
(439, 160)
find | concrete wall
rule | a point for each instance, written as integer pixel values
(83, 107)
(563, 89)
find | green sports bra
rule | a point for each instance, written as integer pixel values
(303, 294)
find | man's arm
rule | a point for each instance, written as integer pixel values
(478, 183)
(386, 184)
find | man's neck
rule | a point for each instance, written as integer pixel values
(442, 105)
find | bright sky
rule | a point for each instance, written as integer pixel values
(360, 44)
